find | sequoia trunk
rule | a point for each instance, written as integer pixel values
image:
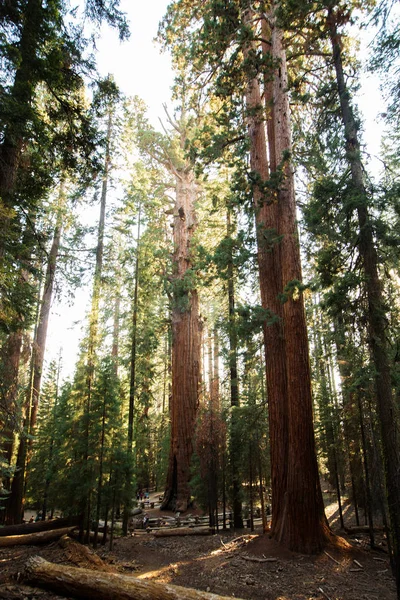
(303, 525)
(269, 265)
(186, 352)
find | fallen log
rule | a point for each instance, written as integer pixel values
(34, 538)
(38, 526)
(361, 529)
(87, 584)
(181, 531)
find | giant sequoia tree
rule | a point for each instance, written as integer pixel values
(186, 357)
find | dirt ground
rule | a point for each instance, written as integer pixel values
(229, 563)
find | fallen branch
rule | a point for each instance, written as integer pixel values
(181, 531)
(258, 560)
(87, 584)
(334, 559)
(34, 538)
(323, 593)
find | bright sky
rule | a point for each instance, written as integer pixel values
(139, 68)
(138, 65)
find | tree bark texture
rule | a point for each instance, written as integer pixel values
(387, 411)
(85, 583)
(186, 347)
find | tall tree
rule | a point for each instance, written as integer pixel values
(185, 344)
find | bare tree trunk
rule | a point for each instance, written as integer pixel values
(235, 442)
(132, 381)
(41, 335)
(186, 350)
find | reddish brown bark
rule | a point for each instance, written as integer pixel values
(303, 526)
(269, 265)
(298, 515)
(91, 584)
(186, 348)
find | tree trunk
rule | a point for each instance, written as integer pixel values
(132, 381)
(303, 527)
(43, 537)
(269, 265)
(24, 528)
(41, 335)
(298, 514)
(235, 442)
(376, 309)
(85, 583)
(186, 349)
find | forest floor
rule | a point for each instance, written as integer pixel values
(228, 563)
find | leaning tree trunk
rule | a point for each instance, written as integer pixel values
(41, 335)
(376, 308)
(186, 347)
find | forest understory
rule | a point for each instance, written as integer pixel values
(240, 564)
